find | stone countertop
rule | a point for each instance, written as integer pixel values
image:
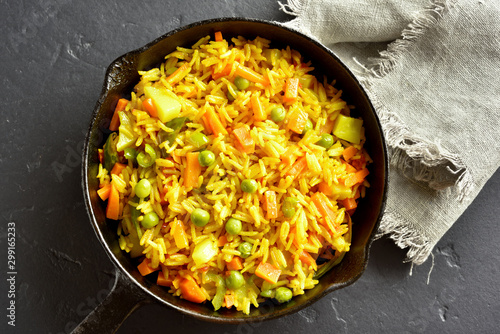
(54, 54)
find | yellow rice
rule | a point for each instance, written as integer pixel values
(276, 241)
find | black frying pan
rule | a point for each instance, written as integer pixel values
(131, 289)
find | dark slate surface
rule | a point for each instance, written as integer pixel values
(53, 55)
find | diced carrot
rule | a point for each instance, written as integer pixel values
(298, 167)
(113, 208)
(192, 171)
(234, 264)
(218, 36)
(259, 114)
(306, 258)
(145, 269)
(180, 236)
(179, 73)
(229, 299)
(348, 168)
(100, 153)
(297, 121)
(225, 72)
(214, 122)
(161, 280)
(270, 204)
(191, 291)
(150, 107)
(327, 127)
(359, 163)
(349, 203)
(117, 168)
(291, 90)
(115, 120)
(222, 241)
(321, 202)
(289, 156)
(325, 188)
(349, 152)
(268, 272)
(251, 75)
(245, 139)
(104, 192)
(356, 178)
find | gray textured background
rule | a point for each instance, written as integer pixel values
(54, 54)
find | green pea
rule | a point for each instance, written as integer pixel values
(278, 114)
(235, 280)
(283, 294)
(130, 153)
(143, 188)
(249, 186)
(245, 248)
(241, 83)
(206, 158)
(150, 220)
(308, 127)
(230, 96)
(200, 217)
(267, 293)
(326, 140)
(288, 207)
(198, 139)
(233, 226)
(146, 159)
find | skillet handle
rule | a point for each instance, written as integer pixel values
(125, 297)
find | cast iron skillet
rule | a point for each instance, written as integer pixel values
(131, 289)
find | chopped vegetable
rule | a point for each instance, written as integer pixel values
(176, 125)
(204, 252)
(192, 171)
(225, 72)
(259, 114)
(283, 294)
(146, 159)
(308, 126)
(162, 281)
(356, 178)
(349, 152)
(321, 202)
(180, 236)
(291, 90)
(251, 75)
(113, 208)
(167, 106)
(130, 153)
(289, 156)
(191, 291)
(222, 241)
(234, 264)
(198, 139)
(117, 168)
(297, 121)
(214, 122)
(349, 203)
(126, 134)
(298, 167)
(150, 107)
(115, 120)
(306, 258)
(268, 272)
(348, 128)
(104, 192)
(229, 300)
(220, 292)
(288, 207)
(177, 76)
(200, 217)
(110, 154)
(145, 269)
(270, 204)
(218, 36)
(244, 139)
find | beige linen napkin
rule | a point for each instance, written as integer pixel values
(435, 85)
